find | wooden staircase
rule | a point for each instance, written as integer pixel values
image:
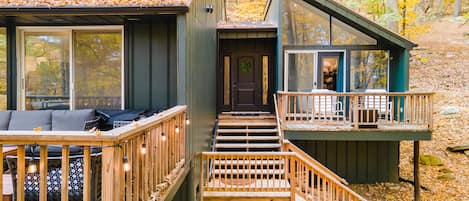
(247, 132)
(250, 162)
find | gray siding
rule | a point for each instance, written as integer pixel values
(197, 58)
(151, 63)
(357, 161)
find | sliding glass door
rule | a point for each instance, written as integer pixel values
(71, 68)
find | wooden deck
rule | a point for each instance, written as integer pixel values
(387, 111)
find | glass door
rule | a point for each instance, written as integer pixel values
(46, 61)
(300, 71)
(328, 70)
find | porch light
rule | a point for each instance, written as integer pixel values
(188, 122)
(163, 137)
(32, 167)
(177, 129)
(126, 164)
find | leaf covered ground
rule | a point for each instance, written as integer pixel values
(440, 64)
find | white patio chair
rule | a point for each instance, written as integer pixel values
(326, 106)
(377, 102)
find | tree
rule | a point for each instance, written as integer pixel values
(457, 8)
(392, 23)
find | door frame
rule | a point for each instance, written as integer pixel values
(269, 51)
(316, 66)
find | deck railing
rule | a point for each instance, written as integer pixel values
(139, 161)
(352, 111)
(290, 171)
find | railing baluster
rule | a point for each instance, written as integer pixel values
(87, 173)
(21, 171)
(65, 172)
(1, 171)
(43, 173)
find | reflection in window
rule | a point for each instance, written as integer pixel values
(304, 24)
(343, 34)
(301, 72)
(97, 69)
(46, 68)
(368, 70)
(3, 69)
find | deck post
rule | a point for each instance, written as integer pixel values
(112, 169)
(416, 171)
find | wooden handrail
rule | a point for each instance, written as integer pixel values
(277, 117)
(355, 93)
(139, 160)
(291, 171)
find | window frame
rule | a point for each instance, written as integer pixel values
(315, 52)
(21, 82)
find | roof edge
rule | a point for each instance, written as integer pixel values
(334, 6)
(89, 10)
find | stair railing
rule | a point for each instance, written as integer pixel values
(277, 117)
(214, 144)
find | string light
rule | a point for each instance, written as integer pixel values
(163, 137)
(32, 168)
(143, 150)
(177, 129)
(126, 164)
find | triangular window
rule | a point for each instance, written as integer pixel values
(344, 34)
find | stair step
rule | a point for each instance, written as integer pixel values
(247, 171)
(250, 138)
(234, 146)
(247, 123)
(273, 130)
(245, 113)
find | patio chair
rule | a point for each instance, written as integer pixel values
(379, 103)
(75, 185)
(324, 106)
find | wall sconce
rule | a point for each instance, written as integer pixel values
(209, 9)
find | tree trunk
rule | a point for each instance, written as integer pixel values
(457, 8)
(439, 7)
(392, 9)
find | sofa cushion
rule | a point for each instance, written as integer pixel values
(66, 120)
(28, 120)
(4, 119)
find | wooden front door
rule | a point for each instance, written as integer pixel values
(247, 75)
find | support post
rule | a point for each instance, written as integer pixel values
(416, 171)
(112, 169)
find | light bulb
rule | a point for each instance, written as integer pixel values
(144, 148)
(177, 129)
(163, 137)
(126, 164)
(32, 168)
(188, 122)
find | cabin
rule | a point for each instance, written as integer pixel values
(293, 107)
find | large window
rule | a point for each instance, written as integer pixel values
(369, 69)
(3, 69)
(72, 68)
(304, 24)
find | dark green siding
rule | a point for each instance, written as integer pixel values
(357, 161)
(151, 63)
(197, 58)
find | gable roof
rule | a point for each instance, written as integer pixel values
(94, 3)
(351, 17)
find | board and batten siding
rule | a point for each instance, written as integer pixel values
(197, 59)
(151, 61)
(357, 161)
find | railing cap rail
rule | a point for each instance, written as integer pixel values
(85, 138)
(407, 93)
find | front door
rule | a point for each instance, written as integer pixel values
(247, 68)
